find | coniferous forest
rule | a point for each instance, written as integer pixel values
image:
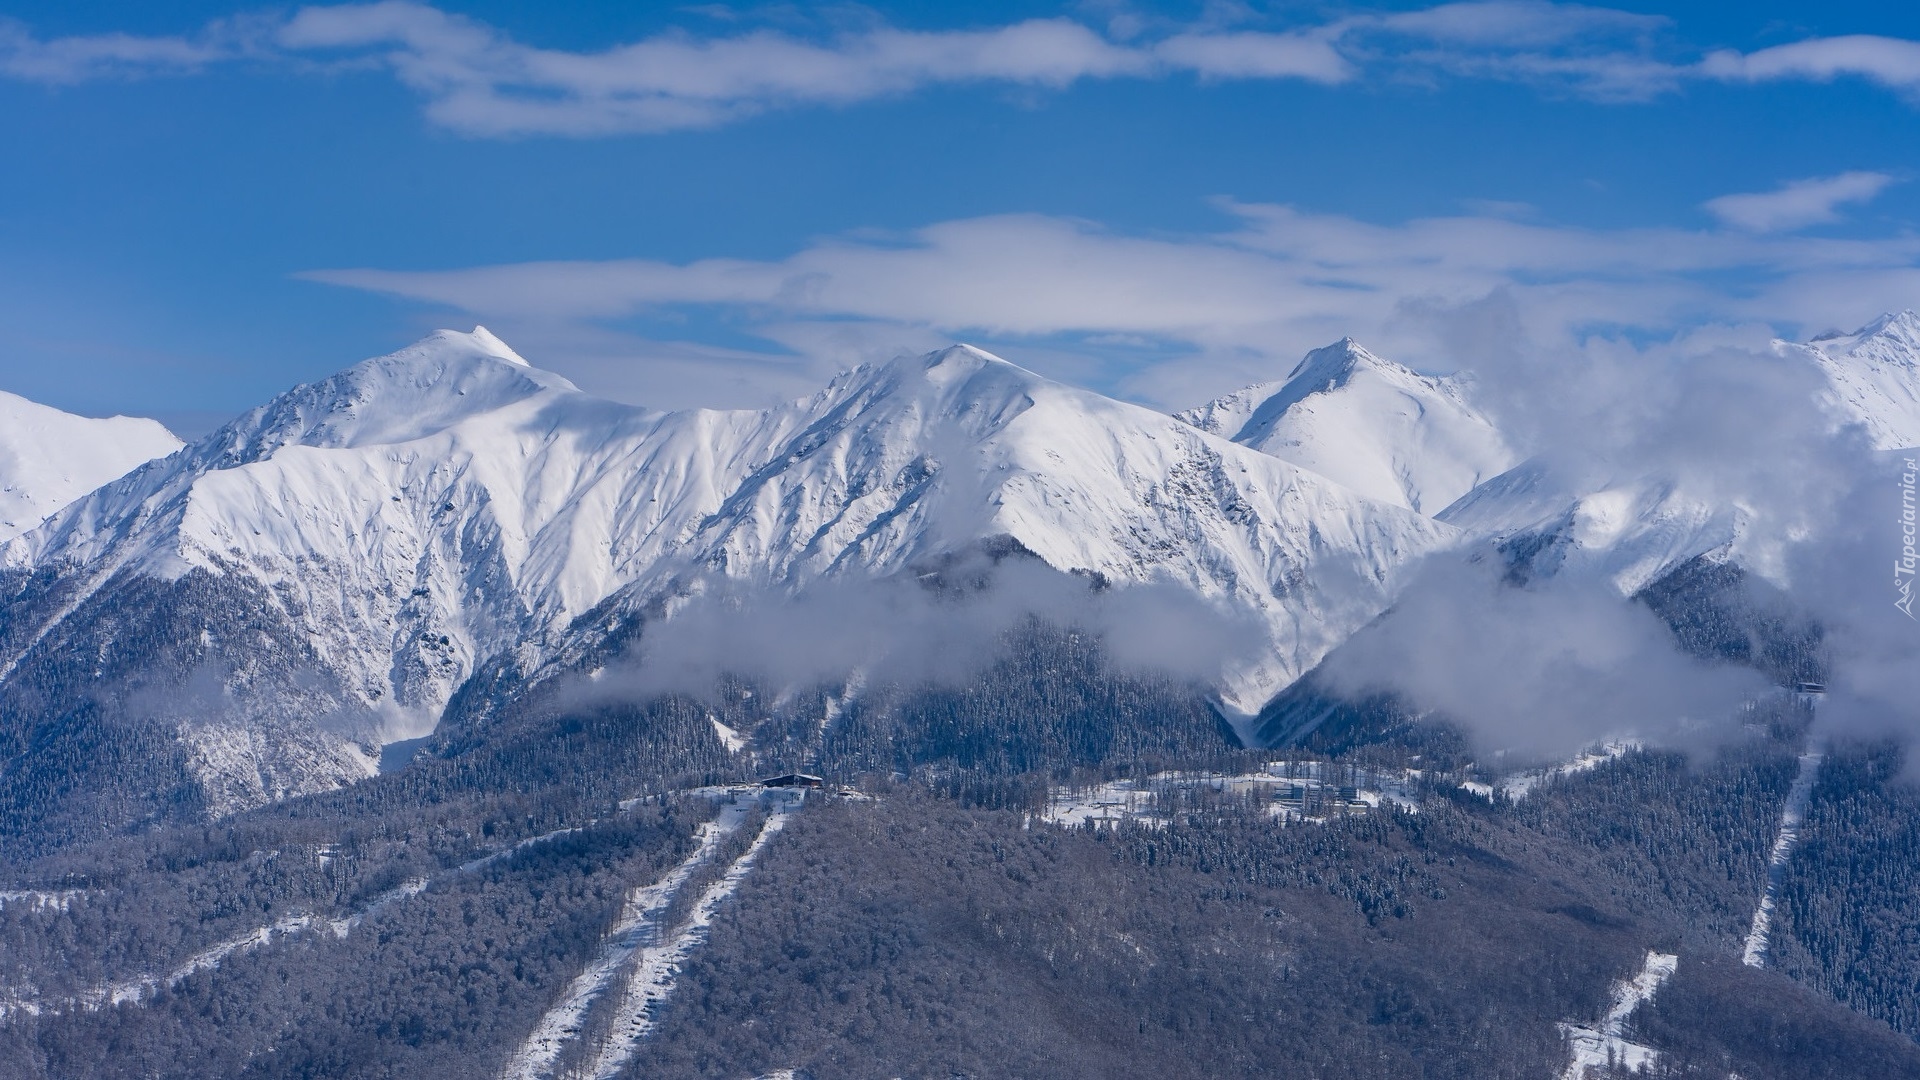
(924, 913)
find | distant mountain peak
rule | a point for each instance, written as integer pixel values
(1902, 323)
(1634, 529)
(1337, 362)
(1372, 425)
(486, 341)
(433, 384)
(49, 458)
(1875, 376)
(958, 362)
(971, 355)
(1900, 329)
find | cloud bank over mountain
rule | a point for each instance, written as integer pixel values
(1167, 319)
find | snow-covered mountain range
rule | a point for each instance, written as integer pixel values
(425, 511)
(49, 458)
(320, 576)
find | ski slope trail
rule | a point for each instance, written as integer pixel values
(1604, 1045)
(652, 979)
(1520, 785)
(1791, 817)
(139, 990)
(637, 927)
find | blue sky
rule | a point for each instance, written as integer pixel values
(202, 203)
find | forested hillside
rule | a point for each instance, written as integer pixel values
(931, 922)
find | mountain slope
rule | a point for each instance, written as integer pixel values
(1629, 531)
(1376, 427)
(1875, 374)
(49, 458)
(391, 528)
(1633, 530)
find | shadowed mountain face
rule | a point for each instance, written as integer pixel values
(393, 529)
(424, 516)
(1024, 635)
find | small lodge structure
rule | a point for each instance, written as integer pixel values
(798, 779)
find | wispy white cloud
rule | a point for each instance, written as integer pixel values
(475, 79)
(1515, 24)
(1593, 52)
(1891, 62)
(69, 60)
(1185, 314)
(1253, 55)
(1798, 204)
(478, 81)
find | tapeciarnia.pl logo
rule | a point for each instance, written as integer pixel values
(1903, 567)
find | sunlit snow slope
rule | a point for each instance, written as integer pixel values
(49, 458)
(1875, 373)
(421, 512)
(1629, 531)
(1372, 425)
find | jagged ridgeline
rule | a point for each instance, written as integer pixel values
(360, 548)
(409, 726)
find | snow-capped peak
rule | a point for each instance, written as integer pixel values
(1335, 363)
(422, 512)
(1875, 375)
(1893, 327)
(1375, 426)
(49, 458)
(429, 386)
(484, 339)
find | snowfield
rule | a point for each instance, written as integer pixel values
(418, 515)
(50, 458)
(422, 512)
(1369, 424)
